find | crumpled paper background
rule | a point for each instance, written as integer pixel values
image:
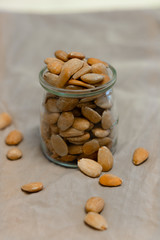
(130, 41)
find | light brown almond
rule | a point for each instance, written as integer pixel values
(95, 220)
(92, 61)
(104, 81)
(82, 71)
(90, 167)
(76, 55)
(73, 65)
(54, 67)
(5, 120)
(51, 118)
(90, 147)
(140, 155)
(32, 187)
(110, 180)
(81, 123)
(52, 59)
(99, 68)
(51, 105)
(71, 132)
(65, 120)
(66, 104)
(104, 141)
(62, 55)
(59, 145)
(14, 137)
(91, 114)
(94, 204)
(100, 133)
(105, 158)
(64, 76)
(67, 158)
(14, 154)
(107, 120)
(75, 149)
(92, 78)
(51, 78)
(82, 138)
(80, 83)
(103, 102)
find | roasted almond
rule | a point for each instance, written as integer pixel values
(92, 61)
(14, 137)
(90, 167)
(5, 120)
(76, 55)
(96, 221)
(32, 187)
(62, 55)
(110, 180)
(94, 204)
(140, 155)
(105, 158)
(82, 71)
(92, 78)
(99, 68)
(54, 67)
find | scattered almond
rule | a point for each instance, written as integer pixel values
(140, 155)
(14, 137)
(14, 154)
(110, 180)
(96, 221)
(90, 167)
(5, 120)
(105, 158)
(94, 204)
(32, 187)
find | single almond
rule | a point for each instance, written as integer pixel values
(81, 124)
(82, 71)
(92, 78)
(51, 78)
(5, 120)
(90, 147)
(90, 167)
(110, 180)
(100, 133)
(71, 132)
(52, 59)
(75, 149)
(32, 187)
(94, 204)
(80, 83)
(51, 118)
(105, 158)
(62, 55)
(51, 105)
(67, 158)
(103, 102)
(14, 137)
(76, 55)
(54, 67)
(107, 119)
(96, 221)
(66, 104)
(92, 61)
(14, 154)
(140, 155)
(91, 114)
(65, 120)
(59, 145)
(82, 138)
(99, 68)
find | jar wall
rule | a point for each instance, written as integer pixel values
(72, 128)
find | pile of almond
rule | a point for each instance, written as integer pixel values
(75, 128)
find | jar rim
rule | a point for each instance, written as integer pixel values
(78, 93)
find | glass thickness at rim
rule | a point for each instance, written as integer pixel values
(79, 93)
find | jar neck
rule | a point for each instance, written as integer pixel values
(79, 93)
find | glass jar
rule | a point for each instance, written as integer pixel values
(76, 123)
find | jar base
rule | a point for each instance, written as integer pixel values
(68, 164)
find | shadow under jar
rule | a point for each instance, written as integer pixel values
(76, 123)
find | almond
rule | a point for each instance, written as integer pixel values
(66, 104)
(32, 187)
(103, 102)
(140, 155)
(96, 221)
(62, 55)
(75, 149)
(92, 61)
(52, 59)
(51, 118)
(51, 78)
(91, 114)
(92, 78)
(71, 132)
(5, 120)
(94, 204)
(81, 124)
(105, 158)
(110, 180)
(82, 138)
(101, 133)
(59, 145)
(90, 147)
(54, 67)
(107, 120)
(51, 105)
(76, 55)
(90, 167)
(14, 137)
(82, 71)
(99, 68)
(14, 154)
(67, 158)
(65, 120)
(80, 83)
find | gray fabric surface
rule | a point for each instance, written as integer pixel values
(130, 41)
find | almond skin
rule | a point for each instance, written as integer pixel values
(14, 137)
(96, 221)
(32, 187)
(90, 167)
(94, 204)
(105, 158)
(140, 155)
(110, 180)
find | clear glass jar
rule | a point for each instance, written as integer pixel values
(75, 123)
